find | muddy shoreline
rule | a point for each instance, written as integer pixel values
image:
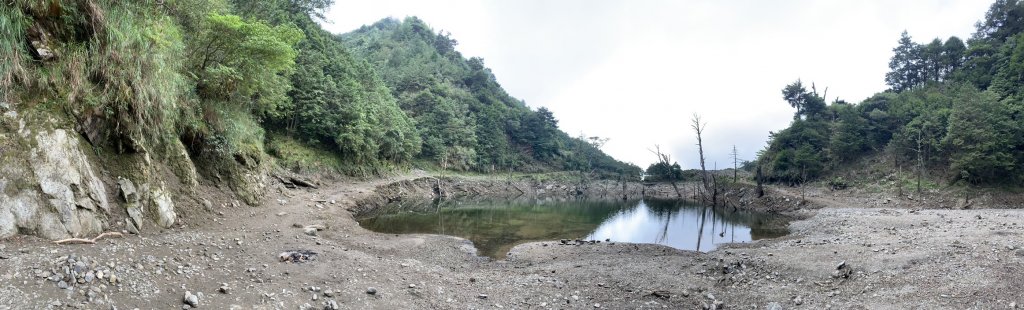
(841, 255)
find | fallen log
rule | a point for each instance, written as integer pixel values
(88, 241)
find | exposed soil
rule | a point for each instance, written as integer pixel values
(845, 254)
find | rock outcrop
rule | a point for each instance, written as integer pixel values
(48, 185)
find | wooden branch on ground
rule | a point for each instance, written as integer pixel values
(88, 241)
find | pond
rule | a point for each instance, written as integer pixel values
(495, 227)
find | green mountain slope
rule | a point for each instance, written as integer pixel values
(953, 113)
(464, 117)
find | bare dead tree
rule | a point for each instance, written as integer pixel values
(735, 164)
(666, 160)
(698, 127)
(760, 187)
(920, 160)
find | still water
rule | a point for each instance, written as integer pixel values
(495, 227)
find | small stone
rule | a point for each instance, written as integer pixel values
(482, 296)
(331, 305)
(597, 305)
(798, 300)
(191, 300)
(309, 231)
(774, 306)
(371, 291)
(315, 297)
(62, 284)
(328, 293)
(224, 289)
(412, 285)
(89, 277)
(113, 279)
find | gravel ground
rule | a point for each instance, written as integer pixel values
(842, 257)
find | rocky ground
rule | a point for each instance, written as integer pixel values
(842, 256)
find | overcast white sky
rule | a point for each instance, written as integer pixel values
(635, 71)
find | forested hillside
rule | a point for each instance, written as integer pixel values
(233, 81)
(953, 112)
(465, 119)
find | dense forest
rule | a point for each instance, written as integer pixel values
(953, 113)
(234, 81)
(465, 119)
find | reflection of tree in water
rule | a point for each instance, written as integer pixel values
(762, 225)
(496, 226)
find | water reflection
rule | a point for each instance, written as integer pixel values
(683, 226)
(496, 226)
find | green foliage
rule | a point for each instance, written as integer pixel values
(914, 65)
(244, 62)
(953, 108)
(466, 120)
(981, 138)
(662, 172)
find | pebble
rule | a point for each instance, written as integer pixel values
(331, 305)
(309, 231)
(224, 289)
(371, 291)
(798, 300)
(482, 296)
(412, 285)
(774, 306)
(328, 293)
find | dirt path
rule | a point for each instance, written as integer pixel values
(894, 259)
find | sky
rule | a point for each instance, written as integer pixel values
(636, 72)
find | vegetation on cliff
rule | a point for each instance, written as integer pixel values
(231, 81)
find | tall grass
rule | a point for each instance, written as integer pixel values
(13, 26)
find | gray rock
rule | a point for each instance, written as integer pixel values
(207, 205)
(331, 305)
(163, 207)
(224, 289)
(482, 296)
(371, 291)
(128, 191)
(89, 277)
(774, 306)
(191, 300)
(798, 300)
(62, 284)
(130, 226)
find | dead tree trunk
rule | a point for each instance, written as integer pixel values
(665, 159)
(735, 164)
(698, 127)
(920, 161)
(760, 187)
